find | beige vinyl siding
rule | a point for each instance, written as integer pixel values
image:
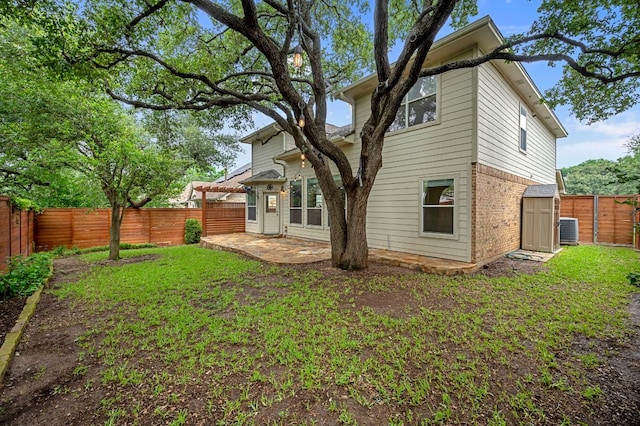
(262, 155)
(439, 149)
(499, 131)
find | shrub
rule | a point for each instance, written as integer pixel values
(634, 278)
(192, 231)
(25, 275)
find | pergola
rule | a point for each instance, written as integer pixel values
(210, 188)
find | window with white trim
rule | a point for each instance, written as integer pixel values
(523, 128)
(251, 203)
(418, 106)
(295, 202)
(314, 202)
(438, 206)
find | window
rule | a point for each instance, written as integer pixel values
(314, 202)
(251, 203)
(419, 106)
(338, 180)
(523, 128)
(271, 203)
(295, 202)
(438, 203)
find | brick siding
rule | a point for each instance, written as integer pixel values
(496, 212)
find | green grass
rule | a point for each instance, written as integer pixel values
(249, 340)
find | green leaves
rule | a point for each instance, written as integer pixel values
(603, 40)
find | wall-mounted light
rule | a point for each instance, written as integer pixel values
(302, 158)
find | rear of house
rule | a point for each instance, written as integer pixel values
(456, 162)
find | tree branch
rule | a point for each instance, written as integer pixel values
(148, 12)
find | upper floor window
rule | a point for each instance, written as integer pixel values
(438, 206)
(523, 128)
(418, 106)
(251, 203)
(295, 202)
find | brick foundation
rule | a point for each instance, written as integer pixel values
(496, 212)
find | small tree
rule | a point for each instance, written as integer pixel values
(57, 122)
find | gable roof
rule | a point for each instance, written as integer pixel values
(265, 176)
(541, 191)
(486, 35)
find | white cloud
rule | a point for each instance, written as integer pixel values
(599, 140)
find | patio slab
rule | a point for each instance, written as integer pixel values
(288, 250)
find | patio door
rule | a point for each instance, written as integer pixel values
(271, 213)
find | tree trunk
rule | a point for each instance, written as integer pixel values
(117, 213)
(349, 248)
(356, 251)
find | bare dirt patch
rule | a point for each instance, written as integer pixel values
(10, 310)
(45, 386)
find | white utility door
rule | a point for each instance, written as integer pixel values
(271, 213)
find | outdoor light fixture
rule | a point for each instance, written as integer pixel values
(302, 158)
(297, 57)
(301, 120)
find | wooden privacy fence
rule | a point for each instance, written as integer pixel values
(603, 218)
(84, 228)
(223, 218)
(16, 231)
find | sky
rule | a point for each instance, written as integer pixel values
(604, 139)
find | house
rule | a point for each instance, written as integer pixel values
(457, 161)
(192, 198)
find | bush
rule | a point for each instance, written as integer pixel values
(634, 278)
(192, 231)
(25, 275)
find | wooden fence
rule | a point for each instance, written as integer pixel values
(84, 228)
(603, 218)
(16, 231)
(223, 218)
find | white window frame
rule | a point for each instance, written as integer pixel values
(455, 207)
(302, 202)
(306, 204)
(405, 105)
(522, 141)
(254, 206)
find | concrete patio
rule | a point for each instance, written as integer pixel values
(287, 250)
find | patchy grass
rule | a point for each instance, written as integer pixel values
(200, 334)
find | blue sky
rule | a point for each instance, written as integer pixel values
(600, 140)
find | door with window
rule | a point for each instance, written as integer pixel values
(271, 214)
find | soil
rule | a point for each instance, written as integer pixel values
(41, 386)
(10, 310)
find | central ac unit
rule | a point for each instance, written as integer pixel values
(568, 230)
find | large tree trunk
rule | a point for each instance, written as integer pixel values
(356, 251)
(349, 247)
(117, 213)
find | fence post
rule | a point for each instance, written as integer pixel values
(596, 211)
(204, 212)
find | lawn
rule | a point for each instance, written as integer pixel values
(194, 336)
